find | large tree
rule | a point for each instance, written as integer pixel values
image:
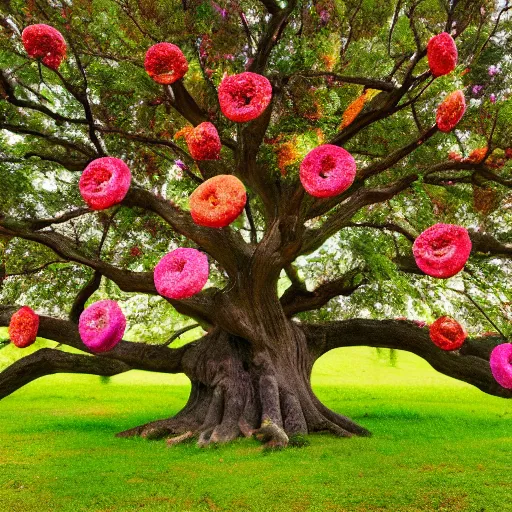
(294, 276)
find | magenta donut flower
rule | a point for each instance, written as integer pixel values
(23, 327)
(501, 365)
(442, 250)
(105, 182)
(245, 96)
(327, 171)
(442, 54)
(165, 63)
(181, 273)
(217, 202)
(46, 43)
(203, 142)
(447, 333)
(102, 325)
(450, 111)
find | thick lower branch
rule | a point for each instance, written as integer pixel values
(48, 361)
(156, 358)
(470, 364)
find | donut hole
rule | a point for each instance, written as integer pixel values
(441, 247)
(328, 163)
(213, 200)
(100, 179)
(177, 266)
(242, 97)
(450, 331)
(98, 320)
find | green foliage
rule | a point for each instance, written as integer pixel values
(39, 175)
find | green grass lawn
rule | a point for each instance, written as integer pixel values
(438, 445)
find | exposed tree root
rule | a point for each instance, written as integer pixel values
(235, 394)
(273, 418)
(271, 435)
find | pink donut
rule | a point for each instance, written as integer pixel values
(245, 96)
(442, 54)
(46, 43)
(181, 273)
(501, 365)
(442, 250)
(102, 325)
(165, 63)
(327, 171)
(105, 182)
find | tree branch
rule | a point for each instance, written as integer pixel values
(314, 238)
(387, 226)
(225, 245)
(48, 361)
(32, 270)
(296, 301)
(271, 5)
(22, 130)
(156, 358)
(36, 224)
(372, 83)
(179, 332)
(271, 36)
(84, 295)
(200, 307)
(469, 364)
(11, 98)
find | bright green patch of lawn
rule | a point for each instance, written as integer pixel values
(438, 445)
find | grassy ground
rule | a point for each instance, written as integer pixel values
(438, 445)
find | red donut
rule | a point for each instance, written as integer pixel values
(105, 182)
(442, 54)
(245, 96)
(327, 171)
(442, 250)
(218, 201)
(501, 365)
(45, 43)
(181, 273)
(23, 327)
(203, 142)
(165, 63)
(447, 333)
(450, 111)
(102, 325)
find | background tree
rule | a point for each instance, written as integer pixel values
(294, 276)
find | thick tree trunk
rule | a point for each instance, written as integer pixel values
(237, 391)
